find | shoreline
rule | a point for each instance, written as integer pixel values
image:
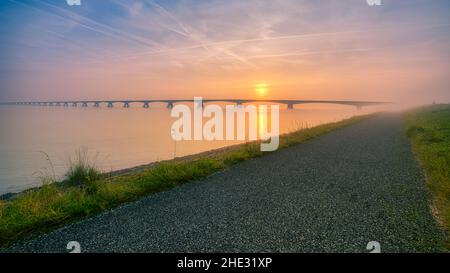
(130, 170)
(138, 168)
(8, 196)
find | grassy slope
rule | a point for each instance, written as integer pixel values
(429, 131)
(54, 205)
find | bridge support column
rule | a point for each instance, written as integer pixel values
(126, 105)
(146, 104)
(170, 104)
(74, 104)
(96, 104)
(58, 104)
(84, 104)
(66, 104)
(199, 104)
(110, 104)
(290, 106)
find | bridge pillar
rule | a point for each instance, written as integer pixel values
(96, 104)
(239, 104)
(50, 104)
(146, 104)
(290, 106)
(110, 104)
(199, 104)
(170, 104)
(84, 104)
(74, 104)
(66, 104)
(58, 104)
(126, 105)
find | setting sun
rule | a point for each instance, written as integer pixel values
(261, 89)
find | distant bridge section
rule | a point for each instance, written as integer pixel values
(170, 103)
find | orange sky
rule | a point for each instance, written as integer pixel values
(226, 49)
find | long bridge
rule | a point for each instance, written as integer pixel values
(170, 103)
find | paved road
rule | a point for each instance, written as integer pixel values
(333, 194)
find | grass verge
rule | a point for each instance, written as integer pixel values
(53, 205)
(429, 131)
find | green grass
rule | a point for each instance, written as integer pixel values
(88, 192)
(82, 171)
(429, 131)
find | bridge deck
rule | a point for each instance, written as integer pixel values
(170, 103)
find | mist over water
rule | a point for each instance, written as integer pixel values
(116, 138)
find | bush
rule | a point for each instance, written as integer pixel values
(82, 171)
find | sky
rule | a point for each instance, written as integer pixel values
(286, 49)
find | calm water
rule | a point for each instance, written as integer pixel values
(116, 138)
